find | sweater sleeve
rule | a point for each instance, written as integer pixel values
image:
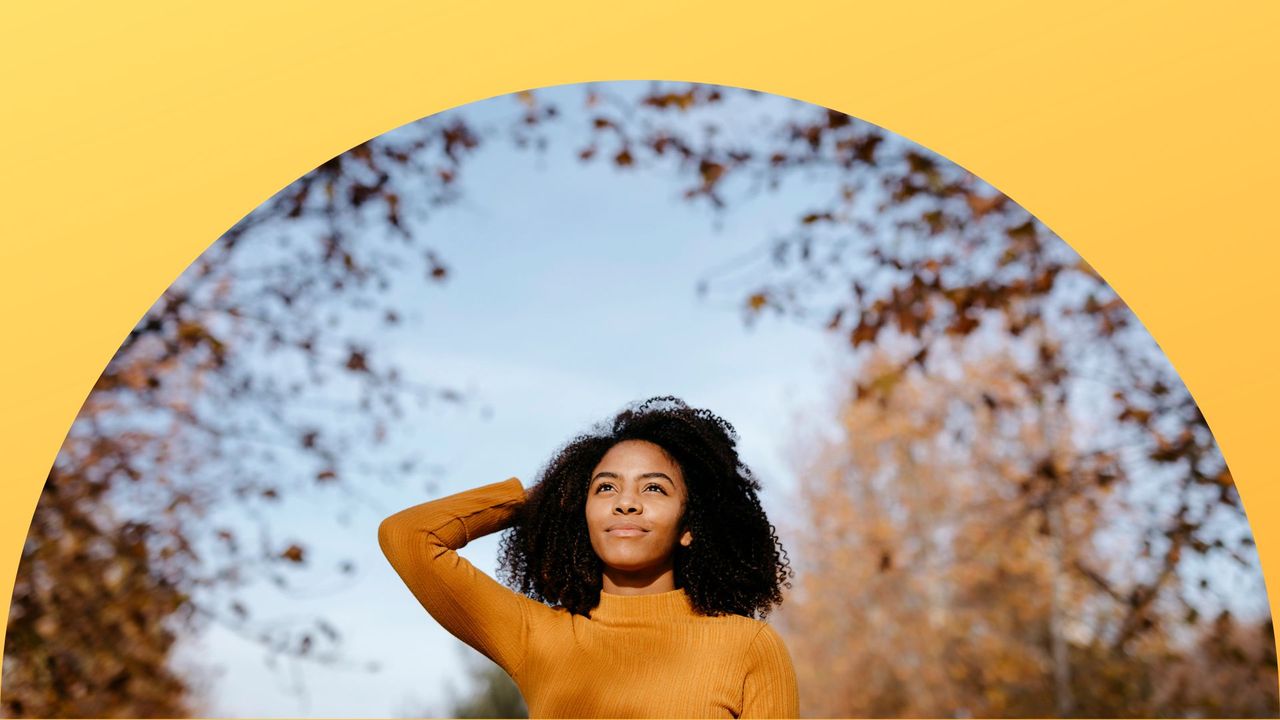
(420, 542)
(769, 688)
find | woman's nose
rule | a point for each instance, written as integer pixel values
(625, 506)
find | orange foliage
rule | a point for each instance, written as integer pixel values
(935, 580)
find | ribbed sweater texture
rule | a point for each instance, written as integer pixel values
(634, 656)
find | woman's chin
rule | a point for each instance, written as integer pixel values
(630, 567)
(625, 569)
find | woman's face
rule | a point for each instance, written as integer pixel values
(635, 504)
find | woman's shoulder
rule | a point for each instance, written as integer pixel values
(747, 637)
(739, 625)
(765, 637)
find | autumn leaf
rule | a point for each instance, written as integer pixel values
(962, 325)
(356, 362)
(710, 172)
(1023, 232)
(919, 163)
(980, 205)
(1136, 414)
(866, 148)
(935, 220)
(863, 333)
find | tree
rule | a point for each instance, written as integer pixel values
(929, 586)
(208, 404)
(492, 693)
(90, 629)
(488, 692)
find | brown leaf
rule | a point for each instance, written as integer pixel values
(980, 205)
(710, 172)
(1024, 232)
(935, 220)
(1136, 414)
(864, 332)
(356, 362)
(962, 325)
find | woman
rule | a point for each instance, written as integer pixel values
(644, 558)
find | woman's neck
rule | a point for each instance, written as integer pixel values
(620, 582)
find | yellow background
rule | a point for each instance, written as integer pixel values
(1143, 133)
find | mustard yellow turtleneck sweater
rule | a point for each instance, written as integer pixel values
(634, 656)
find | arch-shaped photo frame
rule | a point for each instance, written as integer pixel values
(1137, 133)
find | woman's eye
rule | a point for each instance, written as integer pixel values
(651, 486)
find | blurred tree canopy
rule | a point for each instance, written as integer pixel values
(491, 694)
(902, 248)
(487, 692)
(928, 586)
(188, 419)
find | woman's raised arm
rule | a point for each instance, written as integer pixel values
(421, 543)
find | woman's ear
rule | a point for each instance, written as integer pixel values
(686, 538)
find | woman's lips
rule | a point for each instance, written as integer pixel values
(626, 531)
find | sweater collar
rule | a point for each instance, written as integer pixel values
(655, 607)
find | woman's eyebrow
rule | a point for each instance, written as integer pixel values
(643, 476)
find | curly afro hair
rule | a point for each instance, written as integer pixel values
(735, 565)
